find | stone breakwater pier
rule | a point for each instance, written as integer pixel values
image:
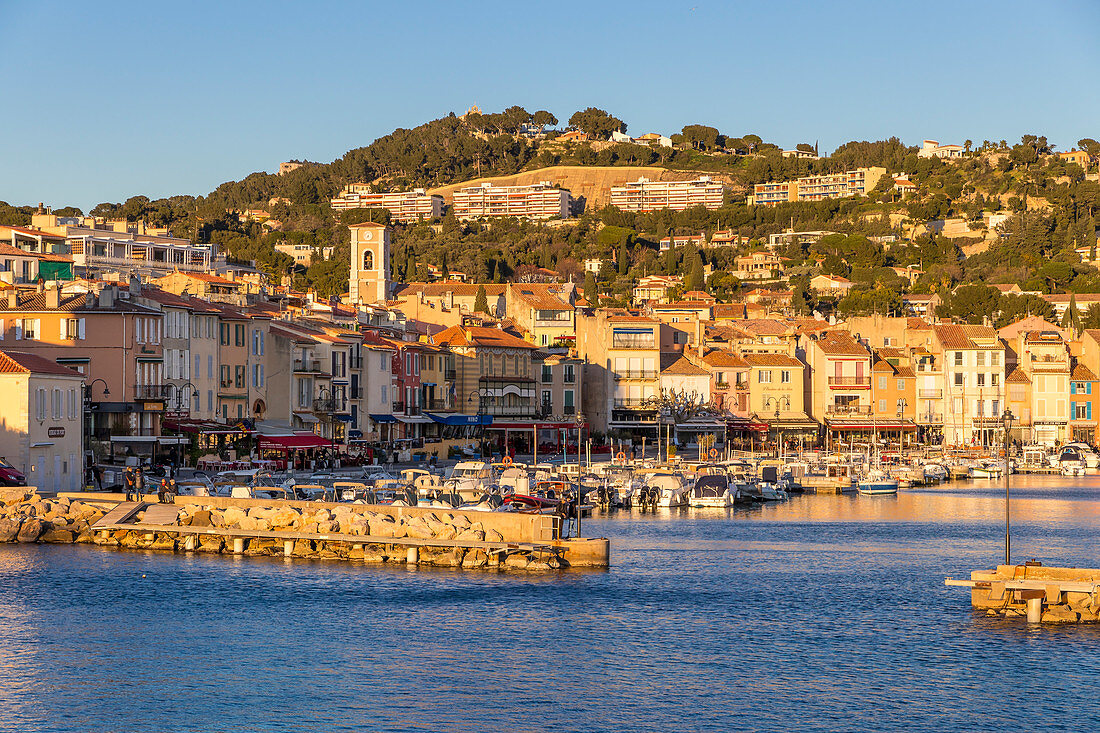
(1039, 593)
(367, 533)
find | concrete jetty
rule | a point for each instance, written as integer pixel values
(1039, 593)
(304, 529)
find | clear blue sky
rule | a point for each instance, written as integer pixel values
(112, 99)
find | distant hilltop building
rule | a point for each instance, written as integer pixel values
(404, 206)
(650, 138)
(542, 200)
(646, 195)
(818, 188)
(933, 149)
(290, 165)
(801, 154)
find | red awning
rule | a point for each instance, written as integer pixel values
(540, 424)
(292, 442)
(870, 426)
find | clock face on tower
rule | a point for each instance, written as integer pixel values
(368, 235)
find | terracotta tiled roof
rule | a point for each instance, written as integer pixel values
(1082, 373)
(461, 290)
(719, 358)
(679, 365)
(33, 302)
(482, 336)
(771, 360)
(18, 362)
(840, 343)
(1018, 376)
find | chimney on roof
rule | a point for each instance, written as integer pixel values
(13, 298)
(135, 286)
(41, 286)
(107, 296)
(89, 298)
(53, 298)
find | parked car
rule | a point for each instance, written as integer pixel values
(10, 475)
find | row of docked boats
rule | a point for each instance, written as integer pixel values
(508, 486)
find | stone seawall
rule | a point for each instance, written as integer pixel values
(355, 532)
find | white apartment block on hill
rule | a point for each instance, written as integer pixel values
(542, 200)
(404, 206)
(646, 195)
(818, 188)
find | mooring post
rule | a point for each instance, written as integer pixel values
(189, 543)
(412, 556)
(288, 547)
(1034, 610)
(238, 545)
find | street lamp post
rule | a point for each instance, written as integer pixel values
(1006, 419)
(902, 404)
(329, 405)
(179, 400)
(777, 401)
(88, 421)
(579, 419)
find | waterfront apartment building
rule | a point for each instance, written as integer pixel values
(974, 375)
(622, 374)
(646, 195)
(404, 206)
(838, 382)
(541, 200)
(1044, 357)
(818, 187)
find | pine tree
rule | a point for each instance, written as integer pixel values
(1072, 319)
(624, 258)
(481, 301)
(590, 292)
(694, 278)
(443, 269)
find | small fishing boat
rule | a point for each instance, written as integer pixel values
(986, 469)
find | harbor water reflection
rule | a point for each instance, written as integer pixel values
(825, 613)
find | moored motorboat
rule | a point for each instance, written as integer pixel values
(877, 483)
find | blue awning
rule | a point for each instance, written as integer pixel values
(343, 418)
(383, 418)
(461, 419)
(355, 434)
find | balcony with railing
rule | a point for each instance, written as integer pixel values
(930, 418)
(636, 374)
(434, 405)
(631, 403)
(399, 408)
(930, 394)
(449, 374)
(307, 365)
(856, 382)
(155, 392)
(853, 410)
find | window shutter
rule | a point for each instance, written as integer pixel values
(1, 329)
(80, 325)
(18, 330)
(1088, 410)
(64, 329)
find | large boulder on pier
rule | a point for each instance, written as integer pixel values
(9, 529)
(57, 535)
(31, 530)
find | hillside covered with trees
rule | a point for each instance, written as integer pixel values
(1052, 208)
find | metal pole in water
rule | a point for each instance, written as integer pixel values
(1007, 420)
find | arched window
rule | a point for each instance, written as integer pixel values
(368, 260)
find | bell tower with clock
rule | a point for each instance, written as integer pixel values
(369, 279)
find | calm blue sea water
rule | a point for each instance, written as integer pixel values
(828, 613)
